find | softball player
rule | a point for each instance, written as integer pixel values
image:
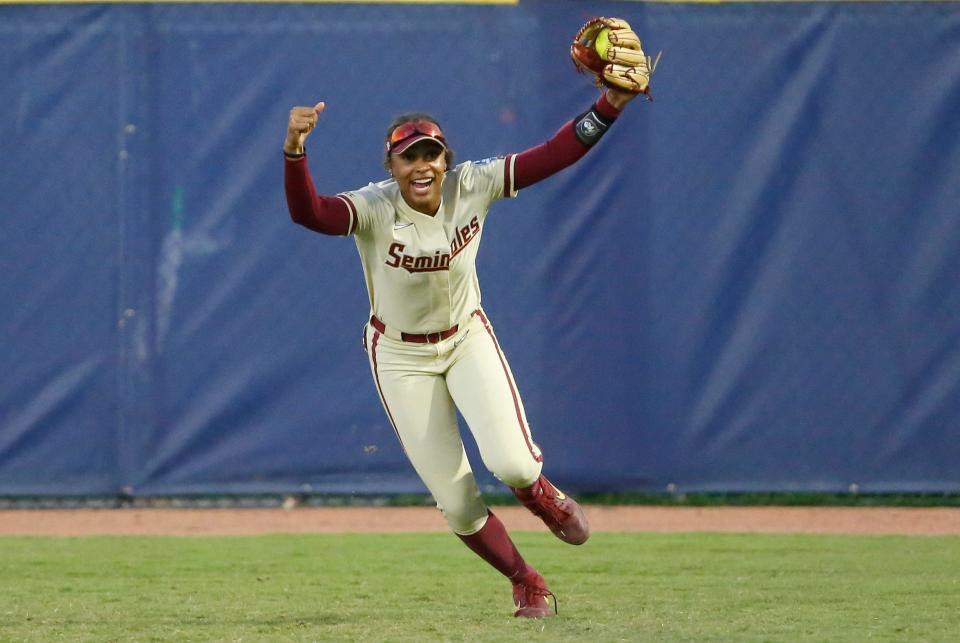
(431, 348)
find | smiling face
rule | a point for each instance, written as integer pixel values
(419, 171)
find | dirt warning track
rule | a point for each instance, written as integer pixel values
(197, 522)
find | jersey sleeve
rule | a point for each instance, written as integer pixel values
(566, 147)
(324, 214)
(369, 207)
(491, 177)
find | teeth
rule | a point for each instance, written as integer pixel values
(423, 181)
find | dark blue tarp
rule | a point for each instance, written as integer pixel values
(752, 283)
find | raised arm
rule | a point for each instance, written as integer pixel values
(571, 141)
(325, 214)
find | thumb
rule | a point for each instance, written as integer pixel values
(319, 107)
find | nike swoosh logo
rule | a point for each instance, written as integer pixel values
(401, 226)
(457, 343)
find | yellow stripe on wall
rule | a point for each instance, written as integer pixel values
(2, 2)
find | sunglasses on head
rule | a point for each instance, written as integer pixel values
(414, 128)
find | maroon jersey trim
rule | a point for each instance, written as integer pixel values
(351, 228)
(508, 176)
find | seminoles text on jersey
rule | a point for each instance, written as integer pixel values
(396, 258)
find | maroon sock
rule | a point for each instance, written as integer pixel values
(493, 544)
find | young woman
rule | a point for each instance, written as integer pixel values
(431, 347)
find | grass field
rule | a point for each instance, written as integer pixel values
(422, 587)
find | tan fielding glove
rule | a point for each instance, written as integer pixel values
(610, 50)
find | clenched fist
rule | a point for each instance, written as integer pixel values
(301, 123)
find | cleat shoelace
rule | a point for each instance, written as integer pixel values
(531, 592)
(547, 508)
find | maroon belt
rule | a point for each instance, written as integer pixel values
(417, 338)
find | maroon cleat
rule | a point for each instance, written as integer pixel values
(558, 511)
(530, 597)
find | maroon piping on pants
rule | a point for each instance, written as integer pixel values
(376, 379)
(513, 390)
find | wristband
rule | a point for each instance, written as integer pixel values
(294, 157)
(591, 125)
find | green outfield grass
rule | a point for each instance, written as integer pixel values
(417, 587)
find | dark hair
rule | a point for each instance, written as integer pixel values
(409, 117)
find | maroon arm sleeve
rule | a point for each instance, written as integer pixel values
(323, 214)
(563, 150)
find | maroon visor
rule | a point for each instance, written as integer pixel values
(413, 132)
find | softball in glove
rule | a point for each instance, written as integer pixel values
(608, 49)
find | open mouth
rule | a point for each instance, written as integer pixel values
(421, 187)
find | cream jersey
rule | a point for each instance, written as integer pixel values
(421, 270)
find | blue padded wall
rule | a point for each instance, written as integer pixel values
(752, 283)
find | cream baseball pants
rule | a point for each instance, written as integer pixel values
(422, 385)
